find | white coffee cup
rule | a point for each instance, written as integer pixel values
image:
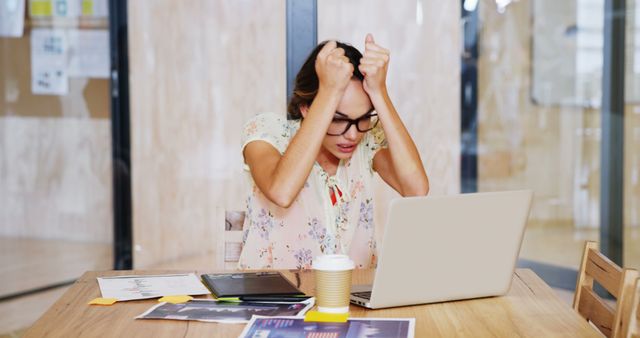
(333, 282)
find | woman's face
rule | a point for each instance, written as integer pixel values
(354, 104)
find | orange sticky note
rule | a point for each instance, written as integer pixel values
(315, 316)
(175, 299)
(103, 301)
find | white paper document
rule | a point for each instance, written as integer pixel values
(49, 62)
(11, 18)
(152, 286)
(88, 53)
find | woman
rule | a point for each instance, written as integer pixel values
(312, 176)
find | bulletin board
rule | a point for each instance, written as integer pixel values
(57, 64)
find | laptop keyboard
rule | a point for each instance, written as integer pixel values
(365, 295)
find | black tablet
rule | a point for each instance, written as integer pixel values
(249, 284)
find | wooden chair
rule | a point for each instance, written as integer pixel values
(618, 282)
(229, 239)
(634, 322)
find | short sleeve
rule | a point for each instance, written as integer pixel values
(379, 139)
(374, 141)
(268, 127)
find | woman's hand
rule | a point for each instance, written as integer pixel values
(333, 68)
(373, 66)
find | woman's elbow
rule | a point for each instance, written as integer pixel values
(283, 203)
(425, 187)
(281, 199)
(418, 188)
(418, 191)
(423, 190)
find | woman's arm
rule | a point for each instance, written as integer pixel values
(399, 165)
(281, 177)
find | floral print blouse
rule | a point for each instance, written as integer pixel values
(314, 224)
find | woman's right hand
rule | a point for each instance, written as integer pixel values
(333, 68)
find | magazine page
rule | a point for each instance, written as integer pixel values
(205, 310)
(295, 327)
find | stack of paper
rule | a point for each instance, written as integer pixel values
(143, 287)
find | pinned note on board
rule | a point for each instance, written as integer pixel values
(175, 299)
(102, 301)
(11, 18)
(88, 53)
(323, 317)
(49, 62)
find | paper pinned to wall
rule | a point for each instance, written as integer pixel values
(12, 18)
(88, 53)
(49, 62)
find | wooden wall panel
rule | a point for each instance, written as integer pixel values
(199, 71)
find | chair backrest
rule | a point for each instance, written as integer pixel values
(229, 239)
(634, 322)
(620, 283)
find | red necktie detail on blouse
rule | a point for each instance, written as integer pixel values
(333, 195)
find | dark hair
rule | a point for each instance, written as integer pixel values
(306, 85)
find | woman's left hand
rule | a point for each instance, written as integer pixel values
(374, 66)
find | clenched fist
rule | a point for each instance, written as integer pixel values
(373, 66)
(333, 68)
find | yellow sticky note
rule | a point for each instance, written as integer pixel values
(175, 299)
(39, 8)
(103, 301)
(315, 316)
(87, 7)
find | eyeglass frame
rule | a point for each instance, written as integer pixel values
(351, 122)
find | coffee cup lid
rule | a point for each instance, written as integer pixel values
(333, 263)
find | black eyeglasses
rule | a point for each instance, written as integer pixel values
(340, 125)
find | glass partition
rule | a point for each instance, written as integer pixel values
(631, 254)
(55, 146)
(539, 96)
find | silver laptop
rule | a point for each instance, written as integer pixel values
(446, 248)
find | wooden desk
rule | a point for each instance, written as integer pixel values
(530, 309)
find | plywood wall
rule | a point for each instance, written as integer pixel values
(198, 73)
